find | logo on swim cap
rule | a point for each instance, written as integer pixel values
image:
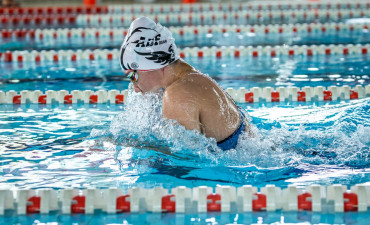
(160, 57)
(147, 46)
(134, 65)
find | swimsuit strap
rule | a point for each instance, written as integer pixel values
(232, 140)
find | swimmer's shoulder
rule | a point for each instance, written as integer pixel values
(187, 83)
(186, 91)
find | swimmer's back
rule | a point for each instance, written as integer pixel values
(216, 114)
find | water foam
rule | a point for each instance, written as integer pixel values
(288, 141)
(332, 134)
(141, 123)
(329, 134)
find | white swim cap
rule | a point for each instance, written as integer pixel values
(147, 46)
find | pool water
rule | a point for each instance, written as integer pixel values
(196, 219)
(104, 145)
(245, 72)
(108, 145)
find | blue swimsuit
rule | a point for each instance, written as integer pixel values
(232, 140)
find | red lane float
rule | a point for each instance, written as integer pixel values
(350, 202)
(305, 202)
(119, 99)
(168, 203)
(123, 204)
(259, 203)
(78, 204)
(33, 204)
(42, 99)
(214, 203)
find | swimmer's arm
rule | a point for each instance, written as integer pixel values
(182, 109)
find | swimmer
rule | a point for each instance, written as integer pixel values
(149, 59)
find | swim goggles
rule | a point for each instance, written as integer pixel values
(133, 76)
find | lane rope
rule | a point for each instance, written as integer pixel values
(184, 18)
(217, 18)
(251, 6)
(316, 198)
(187, 33)
(197, 7)
(171, 8)
(241, 95)
(19, 57)
(26, 11)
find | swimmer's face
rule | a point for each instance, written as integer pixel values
(148, 81)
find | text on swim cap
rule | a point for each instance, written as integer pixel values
(143, 42)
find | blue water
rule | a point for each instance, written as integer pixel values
(131, 145)
(105, 146)
(228, 72)
(102, 146)
(195, 219)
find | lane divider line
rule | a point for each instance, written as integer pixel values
(185, 18)
(252, 6)
(333, 199)
(187, 33)
(197, 7)
(215, 52)
(241, 95)
(25, 11)
(216, 18)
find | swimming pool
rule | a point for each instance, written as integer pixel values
(316, 138)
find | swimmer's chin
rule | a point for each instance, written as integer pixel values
(143, 92)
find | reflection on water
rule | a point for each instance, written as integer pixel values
(192, 218)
